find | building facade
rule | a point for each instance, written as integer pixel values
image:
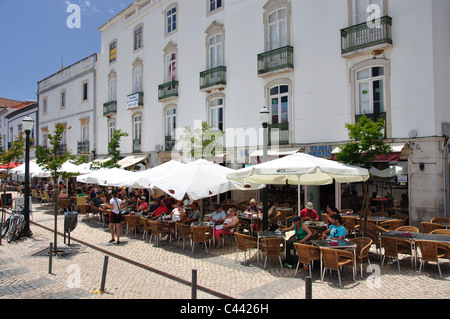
(69, 97)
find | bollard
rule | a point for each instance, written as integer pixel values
(194, 283)
(105, 268)
(50, 258)
(308, 288)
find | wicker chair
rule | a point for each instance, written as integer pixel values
(244, 242)
(351, 224)
(441, 231)
(145, 228)
(432, 251)
(133, 222)
(272, 247)
(440, 220)
(183, 232)
(334, 259)
(306, 255)
(346, 210)
(429, 227)
(393, 247)
(324, 218)
(401, 216)
(243, 226)
(64, 205)
(362, 250)
(411, 229)
(200, 234)
(157, 229)
(391, 224)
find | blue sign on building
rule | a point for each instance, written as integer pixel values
(320, 151)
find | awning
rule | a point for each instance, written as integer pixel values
(398, 153)
(272, 154)
(131, 160)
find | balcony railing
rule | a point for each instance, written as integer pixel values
(277, 59)
(169, 143)
(166, 90)
(279, 134)
(83, 147)
(213, 77)
(373, 117)
(110, 108)
(135, 100)
(365, 35)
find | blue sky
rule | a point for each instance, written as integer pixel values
(34, 37)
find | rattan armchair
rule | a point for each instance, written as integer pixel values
(183, 232)
(393, 247)
(244, 243)
(335, 259)
(411, 229)
(200, 234)
(391, 224)
(362, 250)
(429, 227)
(134, 222)
(384, 214)
(401, 216)
(441, 231)
(272, 247)
(306, 255)
(432, 251)
(351, 224)
(145, 228)
(440, 219)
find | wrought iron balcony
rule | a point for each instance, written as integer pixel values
(282, 138)
(366, 35)
(167, 90)
(277, 59)
(169, 143)
(110, 108)
(213, 77)
(83, 147)
(135, 100)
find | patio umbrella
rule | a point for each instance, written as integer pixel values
(300, 169)
(147, 178)
(10, 165)
(106, 177)
(35, 170)
(69, 167)
(200, 179)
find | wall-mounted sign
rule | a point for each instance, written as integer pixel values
(320, 150)
(133, 101)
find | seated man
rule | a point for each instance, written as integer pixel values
(194, 214)
(308, 213)
(218, 216)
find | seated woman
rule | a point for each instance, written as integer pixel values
(178, 214)
(143, 206)
(228, 226)
(302, 235)
(253, 208)
(336, 229)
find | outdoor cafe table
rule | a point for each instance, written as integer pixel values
(341, 244)
(379, 219)
(269, 234)
(412, 237)
(445, 224)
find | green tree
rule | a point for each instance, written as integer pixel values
(114, 150)
(206, 142)
(51, 159)
(366, 143)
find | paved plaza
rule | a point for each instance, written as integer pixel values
(141, 270)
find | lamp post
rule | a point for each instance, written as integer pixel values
(27, 125)
(264, 116)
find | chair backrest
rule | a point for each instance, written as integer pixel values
(441, 231)
(244, 241)
(325, 218)
(390, 246)
(428, 250)
(183, 230)
(199, 233)
(440, 219)
(145, 223)
(275, 218)
(154, 227)
(411, 229)
(362, 246)
(330, 258)
(83, 209)
(307, 253)
(81, 200)
(350, 223)
(401, 216)
(242, 225)
(346, 210)
(64, 203)
(361, 213)
(132, 221)
(272, 246)
(429, 227)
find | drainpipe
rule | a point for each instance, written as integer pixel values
(446, 176)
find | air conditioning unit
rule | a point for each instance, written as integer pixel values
(159, 148)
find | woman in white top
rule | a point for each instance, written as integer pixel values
(115, 204)
(178, 213)
(228, 226)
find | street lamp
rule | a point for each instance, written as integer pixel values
(27, 125)
(264, 116)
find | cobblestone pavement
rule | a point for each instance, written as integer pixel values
(141, 270)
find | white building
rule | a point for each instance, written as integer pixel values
(69, 97)
(317, 65)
